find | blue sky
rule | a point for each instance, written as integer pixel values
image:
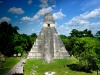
(68, 14)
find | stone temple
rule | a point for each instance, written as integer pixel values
(48, 45)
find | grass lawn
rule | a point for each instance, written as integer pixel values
(8, 64)
(59, 66)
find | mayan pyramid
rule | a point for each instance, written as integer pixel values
(48, 45)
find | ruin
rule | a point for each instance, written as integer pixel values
(48, 45)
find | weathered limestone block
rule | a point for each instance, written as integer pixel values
(19, 70)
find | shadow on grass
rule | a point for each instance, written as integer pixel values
(77, 67)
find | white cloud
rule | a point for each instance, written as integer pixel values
(84, 18)
(58, 15)
(26, 18)
(63, 29)
(35, 17)
(42, 12)
(44, 3)
(91, 15)
(16, 10)
(30, 2)
(77, 21)
(5, 19)
(38, 14)
(82, 22)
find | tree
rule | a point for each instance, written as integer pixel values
(87, 33)
(12, 42)
(78, 47)
(18, 49)
(87, 50)
(64, 39)
(91, 54)
(84, 33)
(74, 33)
(32, 38)
(7, 32)
(69, 44)
(98, 33)
(33, 35)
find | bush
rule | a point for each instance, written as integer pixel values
(18, 49)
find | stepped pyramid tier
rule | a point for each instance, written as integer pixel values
(48, 45)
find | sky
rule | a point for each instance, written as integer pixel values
(68, 14)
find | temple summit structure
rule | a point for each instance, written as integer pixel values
(48, 45)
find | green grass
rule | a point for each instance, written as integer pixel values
(8, 64)
(57, 66)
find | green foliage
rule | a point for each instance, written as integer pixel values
(33, 35)
(64, 39)
(85, 33)
(98, 33)
(24, 41)
(7, 32)
(84, 47)
(74, 33)
(18, 49)
(87, 50)
(12, 42)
